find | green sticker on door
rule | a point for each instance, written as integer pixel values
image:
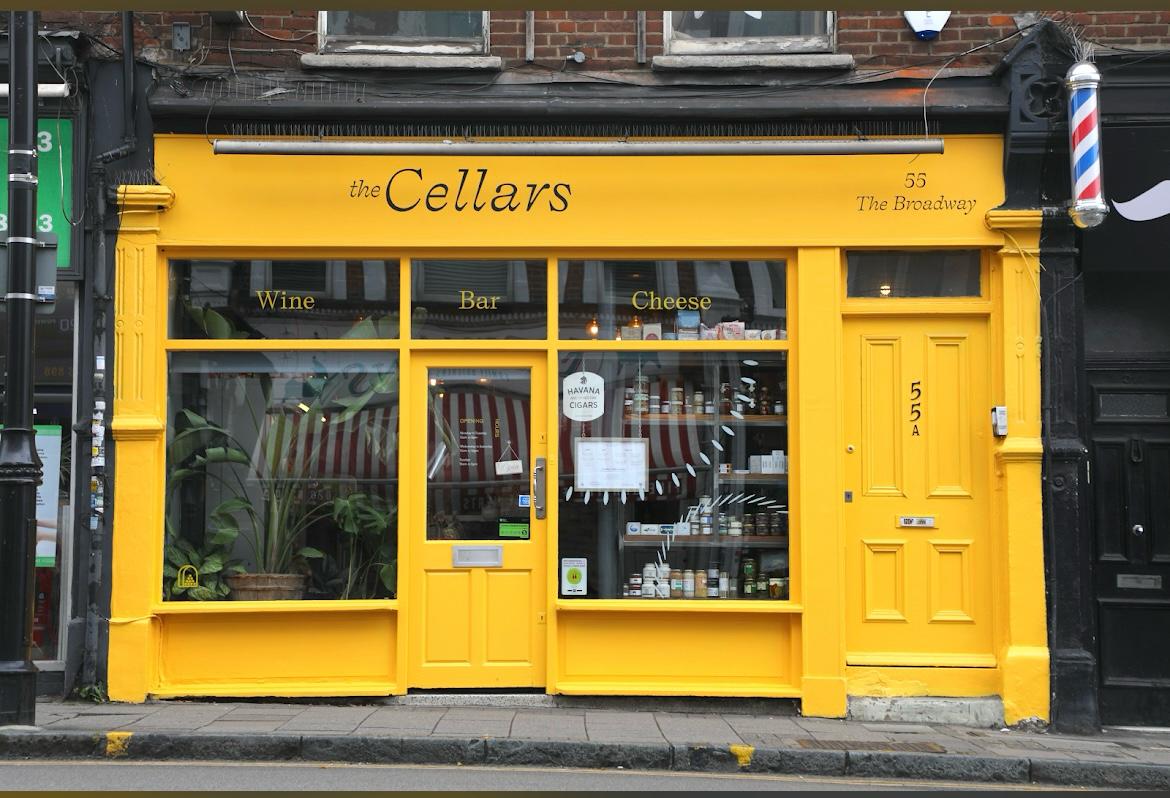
(511, 530)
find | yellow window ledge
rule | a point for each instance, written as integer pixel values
(680, 605)
(245, 607)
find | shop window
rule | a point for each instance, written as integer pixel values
(258, 299)
(747, 32)
(479, 299)
(423, 32)
(281, 476)
(478, 427)
(902, 274)
(674, 473)
(673, 300)
(54, 340)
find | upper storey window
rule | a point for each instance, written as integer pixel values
(748, 32)
(389, 32)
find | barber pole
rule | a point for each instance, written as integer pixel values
(1088, 208)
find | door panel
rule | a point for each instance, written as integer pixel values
(1130, 479)
(948, 425)
(918, 445)
(881, 361)
(477, 549)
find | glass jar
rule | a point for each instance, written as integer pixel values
(676, 583)
(749, 569)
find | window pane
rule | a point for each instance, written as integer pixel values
(477, 453)
(673, 299)
(746, 24)
(479, 299)
(406, 24)
(940, 273)
(281, 466)
(254, 299)
(674, 465)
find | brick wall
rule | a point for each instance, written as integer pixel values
(876, 39)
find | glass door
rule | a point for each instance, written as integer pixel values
(477, 535)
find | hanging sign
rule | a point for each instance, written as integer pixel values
(54, 185)
(611, 464)
(583, 396)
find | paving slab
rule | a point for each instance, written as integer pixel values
(696, 729)
(403, 718)
(241, 726)
(95, 722)
(472, 728)
(898, 728)
(530, 726)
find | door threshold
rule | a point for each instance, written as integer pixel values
(537, 699)
(508, 697)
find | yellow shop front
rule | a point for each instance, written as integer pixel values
(693, 425)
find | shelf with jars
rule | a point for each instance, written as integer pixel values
(710, 541)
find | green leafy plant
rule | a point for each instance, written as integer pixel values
(268, 509)
(363, 519)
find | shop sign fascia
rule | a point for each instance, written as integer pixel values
(559, 201)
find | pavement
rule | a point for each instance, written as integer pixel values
(628, 734)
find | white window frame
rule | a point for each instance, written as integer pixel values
(380, 46)
(747, 45)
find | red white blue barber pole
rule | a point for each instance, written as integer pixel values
(1088, 208)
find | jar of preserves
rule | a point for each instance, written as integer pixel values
(774, 591)
(697, 403)
(749, 569)
(676, 583)
(765, 401)
(688, 584)
(725, 398)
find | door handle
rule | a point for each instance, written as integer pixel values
(538, 488)
(1139, 530)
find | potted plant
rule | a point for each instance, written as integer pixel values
(268, 509)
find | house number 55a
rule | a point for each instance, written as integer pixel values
(915, 404)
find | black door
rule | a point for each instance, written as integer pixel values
(1130, 480)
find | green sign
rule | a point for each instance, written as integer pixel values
(54, 184)
(508, 530)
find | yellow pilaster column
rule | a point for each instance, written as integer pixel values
(818, 403)
(1024, 639)
(137, 428)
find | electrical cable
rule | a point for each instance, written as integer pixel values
(252, 25)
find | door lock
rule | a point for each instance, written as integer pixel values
(1139, 530)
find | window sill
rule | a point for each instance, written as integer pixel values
(732, 606)
(789, 61)
(373, 61)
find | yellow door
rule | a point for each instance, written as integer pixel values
(477, 532)
(917, 511)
